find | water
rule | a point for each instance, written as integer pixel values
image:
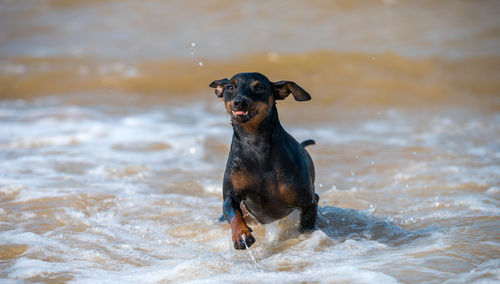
(248, 249)
(112, 147)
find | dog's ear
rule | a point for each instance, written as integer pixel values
(219, 86)
(283, 88)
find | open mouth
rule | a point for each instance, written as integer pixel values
(240, 112)
(243, 116)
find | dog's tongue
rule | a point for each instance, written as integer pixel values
(239, 112)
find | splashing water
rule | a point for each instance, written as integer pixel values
(87, 189)
(112, 159)
(248, 249)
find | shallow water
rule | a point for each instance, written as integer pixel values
(94, 192)
(111, 159)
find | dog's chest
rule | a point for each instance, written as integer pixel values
(265, 184)
(243, 179)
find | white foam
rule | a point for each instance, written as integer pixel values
(88, 202)
(486, 272)
(213, 188)
(494, 190)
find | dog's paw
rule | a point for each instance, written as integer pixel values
(242, 238)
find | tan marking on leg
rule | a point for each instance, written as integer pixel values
(287, 195)
(239, 228)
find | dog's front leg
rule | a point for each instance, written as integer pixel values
(241, 233)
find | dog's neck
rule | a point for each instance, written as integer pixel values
(257, 144)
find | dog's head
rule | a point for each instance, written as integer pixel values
(249, 97)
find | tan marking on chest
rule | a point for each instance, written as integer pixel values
(243, 180)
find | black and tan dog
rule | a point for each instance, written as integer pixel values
(268, 172)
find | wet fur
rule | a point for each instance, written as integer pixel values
(267, 171)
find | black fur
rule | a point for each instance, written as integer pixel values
(267, 171)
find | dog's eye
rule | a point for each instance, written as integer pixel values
(260, 88)
(229, 88)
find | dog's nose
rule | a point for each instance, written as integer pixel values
(241, 102)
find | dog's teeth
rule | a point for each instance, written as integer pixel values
(239, 112)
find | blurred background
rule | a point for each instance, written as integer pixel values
(353, 52)
(112, 145)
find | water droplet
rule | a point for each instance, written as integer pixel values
(193, 44)
(200, 64)
(248, 250)
(192, 150)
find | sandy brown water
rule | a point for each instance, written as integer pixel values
(112, 146)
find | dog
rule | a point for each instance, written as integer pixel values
(268, 173)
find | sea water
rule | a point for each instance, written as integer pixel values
(113, 147)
